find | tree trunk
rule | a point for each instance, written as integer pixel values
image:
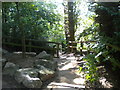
(20, 25)
(70, 27)
(66, 27)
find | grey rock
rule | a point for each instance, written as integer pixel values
(28, 77)
(45, 73)
(3, 62)
(30, 82)
(48, 57)
(9, 64)
(46, 63)
(3, 51)
(44, 55)
(21, 73)
(10, 69)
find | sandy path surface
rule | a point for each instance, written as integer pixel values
(68, 75)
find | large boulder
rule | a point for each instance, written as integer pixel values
(46, 63)
(44, 55)
(45, 73)
(21, 73)
(30, 82)
(45, 60)
(28, 77)
(10, 64)
(3, 51)
(3, 62)
(10, 69)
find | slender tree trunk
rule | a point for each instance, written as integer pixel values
(22, 30)
(66, 27)
(4, 19)
(69, 26)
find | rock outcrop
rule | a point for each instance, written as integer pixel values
(46, 63)
(44, 55)
(45, 73)
(28, 77)
(10, 68)
(32, 82)
(43, 69)
(3, 62)
(33, 77)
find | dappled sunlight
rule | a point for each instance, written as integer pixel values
(71, 65)
(79, 81)
(63, 57)
(67, 62)
(71, 58)
(65, 79)
(105, 83)
(63, 63)
(67, 74)
(20, 52)
(63, 85)
(68, 66)
(81, 74)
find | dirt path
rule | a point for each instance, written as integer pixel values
(68, 75)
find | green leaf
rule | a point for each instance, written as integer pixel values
(80, 69)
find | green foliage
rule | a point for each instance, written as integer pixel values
(80, 69)
(106, 32)
(90, 33)
(91, 68)
(108, 18)
(39, 20)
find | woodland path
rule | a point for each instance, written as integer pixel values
(68, 75)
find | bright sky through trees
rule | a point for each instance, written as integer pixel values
(83, 17)
(82, 6)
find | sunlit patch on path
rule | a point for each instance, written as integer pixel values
(64, 85)
(68, 75)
